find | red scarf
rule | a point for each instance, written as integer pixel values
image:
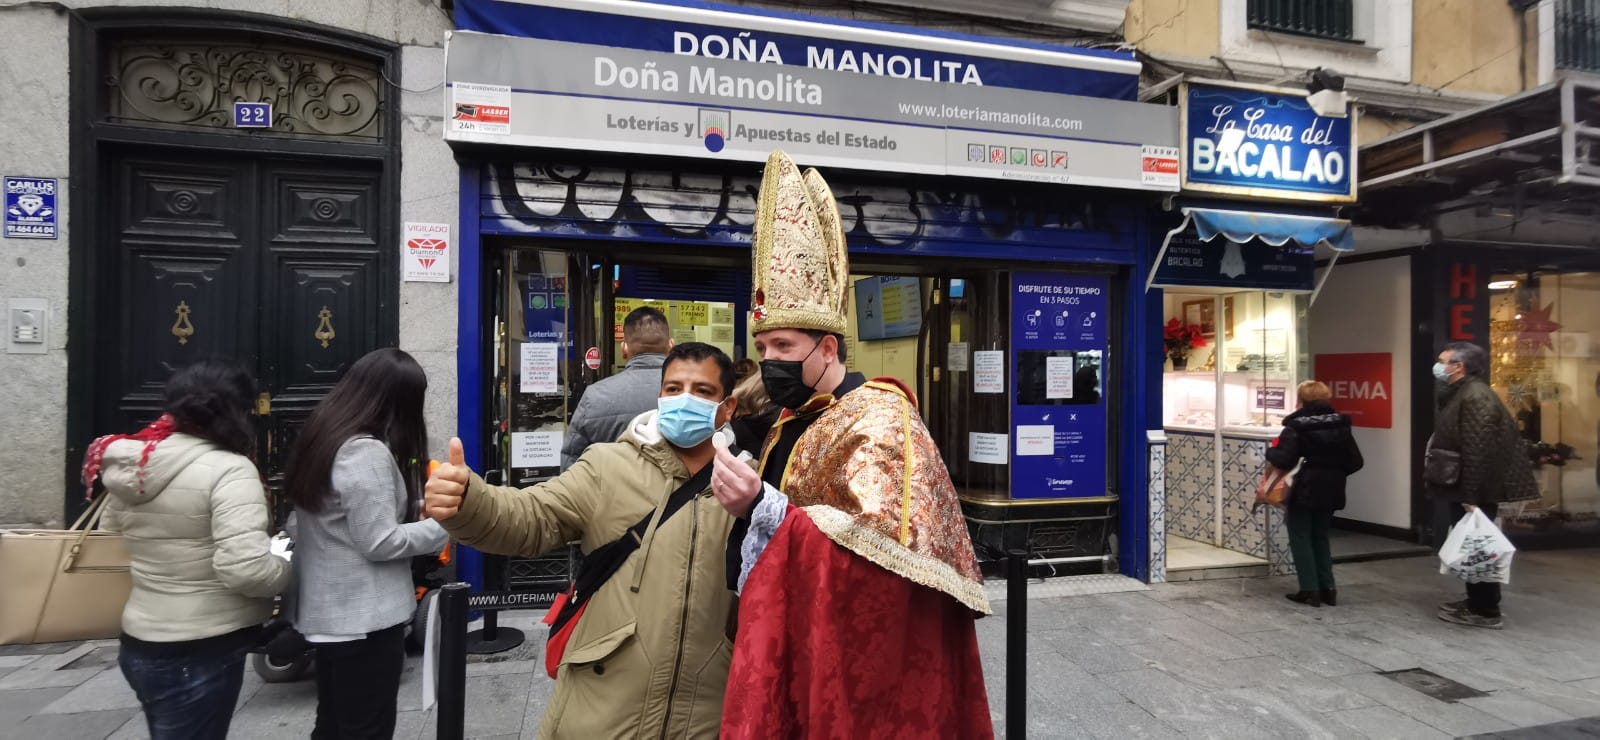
(158, 430)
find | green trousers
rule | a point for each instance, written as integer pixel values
(1308, 541)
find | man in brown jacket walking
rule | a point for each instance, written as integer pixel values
(650, 654)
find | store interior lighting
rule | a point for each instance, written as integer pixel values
(1502, 285)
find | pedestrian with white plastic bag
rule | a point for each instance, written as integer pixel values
(1475, 463)
(1477, 551)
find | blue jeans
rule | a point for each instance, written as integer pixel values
(188, 697)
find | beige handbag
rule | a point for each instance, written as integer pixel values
(62, 585)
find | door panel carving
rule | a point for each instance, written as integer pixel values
(327, 209)
(274, 264)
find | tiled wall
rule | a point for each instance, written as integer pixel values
(1242, 462)
(1190, 479)
(1158, 508)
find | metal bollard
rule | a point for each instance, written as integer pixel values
(452, 678)
(1017, 644)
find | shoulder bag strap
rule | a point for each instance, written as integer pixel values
(598, 566)
(87, 522)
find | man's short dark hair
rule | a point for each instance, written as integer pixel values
(700, 352)
(646, 331)
(1474, 360)
(818, 334)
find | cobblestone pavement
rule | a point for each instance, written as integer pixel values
(1212, 659)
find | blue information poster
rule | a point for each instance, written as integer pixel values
(1058, 363)
(544, 311)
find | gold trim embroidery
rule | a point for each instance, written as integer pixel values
(905, 491)
(889, 555)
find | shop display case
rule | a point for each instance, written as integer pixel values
(1223, 405)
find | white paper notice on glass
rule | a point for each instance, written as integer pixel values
(960, 360)
(540, 370)
(1036, 440)
(987, 448)
(989, 372)
(1058, 377)
(536, 449)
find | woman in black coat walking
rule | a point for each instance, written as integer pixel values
(1318, 440)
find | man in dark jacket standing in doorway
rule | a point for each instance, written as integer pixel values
(1491, 468)
(607, 406)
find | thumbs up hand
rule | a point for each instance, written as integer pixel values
(447, 485)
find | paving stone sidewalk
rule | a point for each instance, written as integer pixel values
(1212, 659)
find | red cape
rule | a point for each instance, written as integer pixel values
(831, 645)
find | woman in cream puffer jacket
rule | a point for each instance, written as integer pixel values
(194, 514)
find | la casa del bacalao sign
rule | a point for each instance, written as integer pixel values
(1265, 143)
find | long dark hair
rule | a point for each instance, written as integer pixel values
(210, 399)
(380, 396)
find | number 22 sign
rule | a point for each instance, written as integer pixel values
(252, 115)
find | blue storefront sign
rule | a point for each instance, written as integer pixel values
(1221, 262)
(544, 311)
(1058, 407)
(30, 208)
(1265, 144)
(713, 32)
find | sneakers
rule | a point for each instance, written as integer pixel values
(1469, 619)
(1453, 606)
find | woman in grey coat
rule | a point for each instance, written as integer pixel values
(356, 479)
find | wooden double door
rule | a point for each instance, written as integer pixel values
(280, 264)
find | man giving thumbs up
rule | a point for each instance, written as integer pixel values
(649, 642)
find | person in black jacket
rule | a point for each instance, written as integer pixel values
(1318, 440)
(1490, 467)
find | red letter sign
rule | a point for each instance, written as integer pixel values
(1362, 386)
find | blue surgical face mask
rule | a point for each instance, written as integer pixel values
(1441, 372)
(686, 420)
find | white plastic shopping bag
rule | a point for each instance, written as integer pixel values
(1477, 551)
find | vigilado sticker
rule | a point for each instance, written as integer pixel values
(30, 208)
(426, 253)
(481, 109)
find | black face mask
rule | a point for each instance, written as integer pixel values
(784, 380)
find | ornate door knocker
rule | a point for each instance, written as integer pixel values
(324, 331)
(181, 328)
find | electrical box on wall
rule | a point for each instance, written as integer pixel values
(27, 326)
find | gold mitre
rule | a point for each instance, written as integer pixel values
(801, 277)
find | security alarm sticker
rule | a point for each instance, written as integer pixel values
(30, 208)
(426, 253)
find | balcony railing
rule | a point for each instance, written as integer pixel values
(1578, 34)
(1323, 19)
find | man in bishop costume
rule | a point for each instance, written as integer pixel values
(859, 586)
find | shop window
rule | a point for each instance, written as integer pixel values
(1545, 366)
(1235, 359)
(967, 323)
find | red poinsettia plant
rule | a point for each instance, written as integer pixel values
(1181, 339)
